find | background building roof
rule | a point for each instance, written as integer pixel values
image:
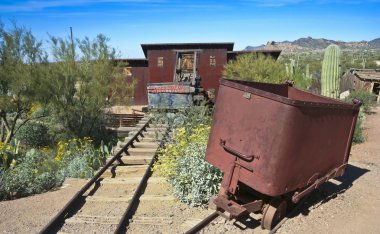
(182, 46)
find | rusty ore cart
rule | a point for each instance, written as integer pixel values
(276, 144)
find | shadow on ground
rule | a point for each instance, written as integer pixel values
(329, 190)
(325, 193)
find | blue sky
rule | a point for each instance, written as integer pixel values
(129, 23)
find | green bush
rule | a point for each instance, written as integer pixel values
(78, 167)
(33, 173)
(182, 162)
(368, 99)
(358, 133)
(37, 171)
(79, 157)
(253, 67)
(3, 193)
(8, 152)
(34, 134)
(196, 180)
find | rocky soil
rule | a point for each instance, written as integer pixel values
(350, 204)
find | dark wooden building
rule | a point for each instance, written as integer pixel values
(361, 79)
(182, 62)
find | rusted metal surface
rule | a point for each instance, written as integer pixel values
(211, 74)
(141, 75)
(164, 73)
(253, 206)
(233, 208)
(317, 183)
(175, 62)
(273, 213)
(187, 46)
(136, 70)
(296, 137)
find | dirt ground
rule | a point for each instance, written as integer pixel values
(31, 214)
(350, 204)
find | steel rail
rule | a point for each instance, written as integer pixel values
(128, 214)
(52, 226)
(202, 224)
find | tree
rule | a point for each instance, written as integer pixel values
(253, 67)
(83, 83)
(23, 63)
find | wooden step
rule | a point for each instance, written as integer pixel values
(87, 219)
(146, 145)
(142, 151)
(139, 144)
(135, 160)
(144, 139)
(149, 133)
(131, 180)
(129, 198)
(154, 220)
(127, 171)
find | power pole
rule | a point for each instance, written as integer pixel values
(72, 43)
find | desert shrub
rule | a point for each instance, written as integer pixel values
(80, 158)
(187, 117)
(34, 134)
(253, 67)
(37, 171)
(3, 193)
(368, 99)
(31, 174)
(182, 162)
(196, 180)
(78, 168)
(358, 133)
(8, 152)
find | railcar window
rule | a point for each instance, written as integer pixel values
(187, 62)
(160, 61)
(127, 71)
(212, 61)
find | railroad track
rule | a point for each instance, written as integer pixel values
(210, 218)
(107, 201)
(124, 196)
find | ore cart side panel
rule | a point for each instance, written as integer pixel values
(319, 140)
(252, 126)
(295, 144)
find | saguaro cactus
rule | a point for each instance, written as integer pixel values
(290, 68)
(307, 74)
(330, 79)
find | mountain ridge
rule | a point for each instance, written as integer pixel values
(309, 43)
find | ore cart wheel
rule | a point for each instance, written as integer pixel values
(273, 213)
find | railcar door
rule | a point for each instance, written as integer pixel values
(186, 67)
